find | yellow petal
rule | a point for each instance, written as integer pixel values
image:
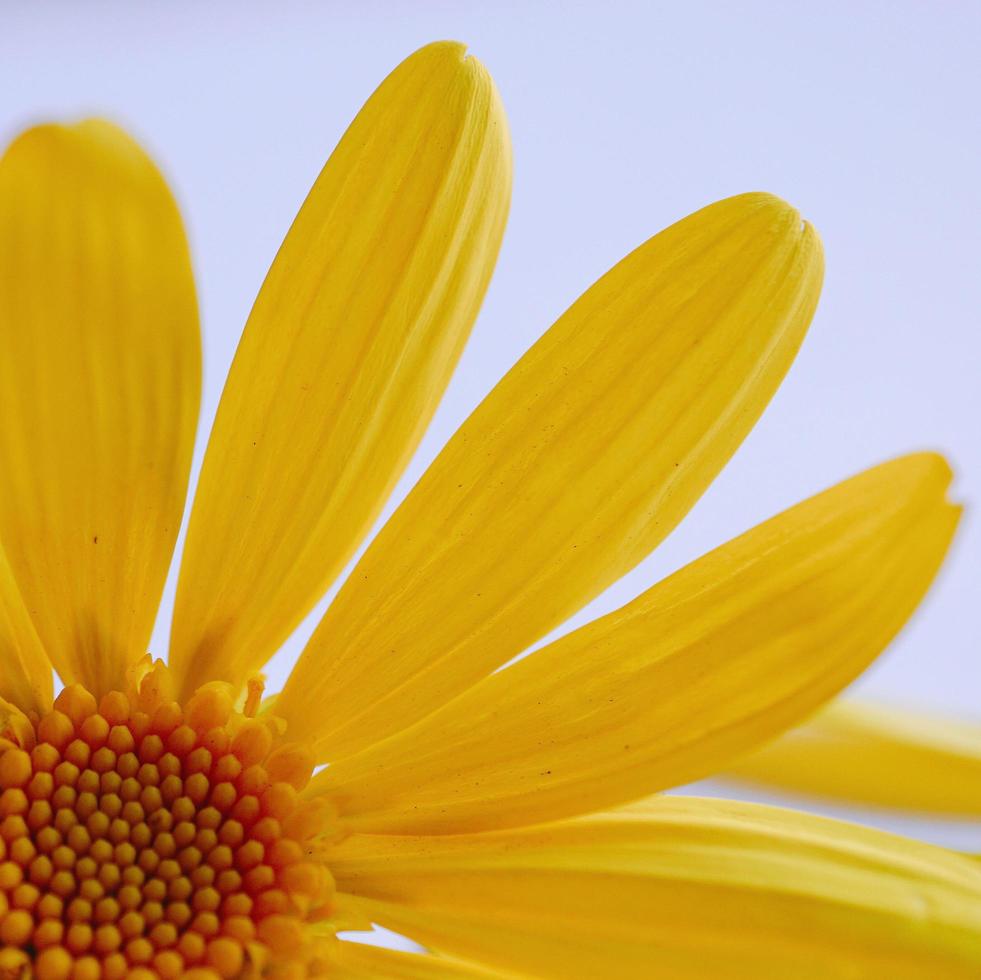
(25, 671)
(581, 460)
(346, 354)
(99, 389)
(874, 754)
(723, 655)
(357, 961)
(679, 888)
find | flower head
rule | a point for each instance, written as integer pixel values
(164, 820)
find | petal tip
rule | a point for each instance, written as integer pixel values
(776, 219)
(458, 80)
(765, 201)
(452, 54)
(452, 58)
(929, 467)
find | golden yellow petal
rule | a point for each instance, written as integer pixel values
(25, 671)
(722, 655)
(679, 888)
(100, 369)
(346, 354)
(356, 961)
(875, 754)
(581, 460)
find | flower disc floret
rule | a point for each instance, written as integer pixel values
(144, 838)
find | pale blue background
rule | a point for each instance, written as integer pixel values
(624, 118)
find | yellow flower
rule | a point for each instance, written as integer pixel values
(163, 820)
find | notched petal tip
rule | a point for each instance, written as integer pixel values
(927, 475)
(449, 52)
(785, 221)
(763, 202)
(931, 466)
(447, 62)
(444, 56)
(766, 222)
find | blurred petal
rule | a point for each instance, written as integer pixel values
(100, 376)
(25, 671)
(724, 654)
(885, 756)
(581, 460)
(681, 888)
(356, 961)
(346, 354)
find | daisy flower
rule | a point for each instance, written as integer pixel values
(171, 820)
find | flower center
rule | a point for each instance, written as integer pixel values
(140, 838)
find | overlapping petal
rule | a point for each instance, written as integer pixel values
(722, 655)
(99, 390)
(581, 460)
(678, 888)
(876, 754)
(346, 354)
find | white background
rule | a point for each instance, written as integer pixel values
(624, 118)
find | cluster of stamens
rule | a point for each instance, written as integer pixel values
(149, 840)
